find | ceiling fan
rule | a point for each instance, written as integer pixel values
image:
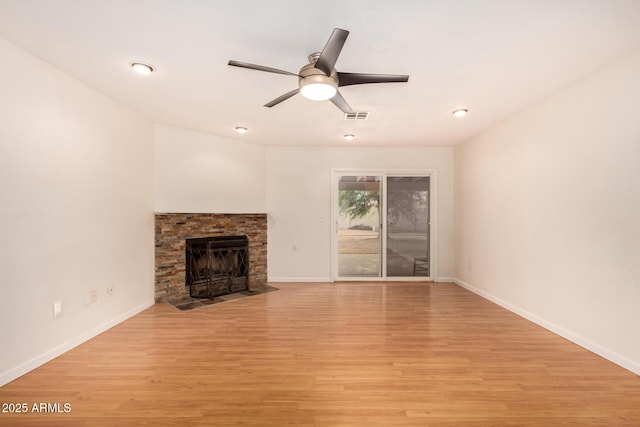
(319, 80)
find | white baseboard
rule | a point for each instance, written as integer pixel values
(10, 375)
(328, 279)
(611, 356)
(299, 279)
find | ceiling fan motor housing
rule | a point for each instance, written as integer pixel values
(314, 83)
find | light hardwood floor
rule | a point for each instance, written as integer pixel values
(347, 354)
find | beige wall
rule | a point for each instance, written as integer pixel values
(77, 211)
(299, 193)
(201, 173)
(548, 213)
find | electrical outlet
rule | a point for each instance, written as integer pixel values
(93, 295)
(57, 309)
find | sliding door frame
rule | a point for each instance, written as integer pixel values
(384, 173)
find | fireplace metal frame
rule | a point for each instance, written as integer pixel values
(216, 266)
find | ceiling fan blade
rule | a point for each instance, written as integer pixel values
(331, 51)
(347, 79)
(281, 98)
(339, 101)
(260, 68)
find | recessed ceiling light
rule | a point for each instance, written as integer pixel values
(142, 68)
(241, 129)
(349, 137)
(460, 112)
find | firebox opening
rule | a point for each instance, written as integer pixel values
(217, 265)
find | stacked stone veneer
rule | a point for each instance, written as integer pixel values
(172, 230)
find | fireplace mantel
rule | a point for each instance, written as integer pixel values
(172, 230)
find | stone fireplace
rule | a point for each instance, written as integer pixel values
(173, 230)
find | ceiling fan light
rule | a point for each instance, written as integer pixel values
(318, 91)
(318, 87)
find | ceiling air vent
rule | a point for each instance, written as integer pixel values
(356, 116)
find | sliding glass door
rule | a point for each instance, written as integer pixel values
(407, 235)
(382, 225)
(358, 226)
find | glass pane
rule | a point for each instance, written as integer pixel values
(407, 226)
(359, 239)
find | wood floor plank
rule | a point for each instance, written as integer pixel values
(348, 354)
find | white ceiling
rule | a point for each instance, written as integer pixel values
(494, 57)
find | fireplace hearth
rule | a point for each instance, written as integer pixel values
(217, 265)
